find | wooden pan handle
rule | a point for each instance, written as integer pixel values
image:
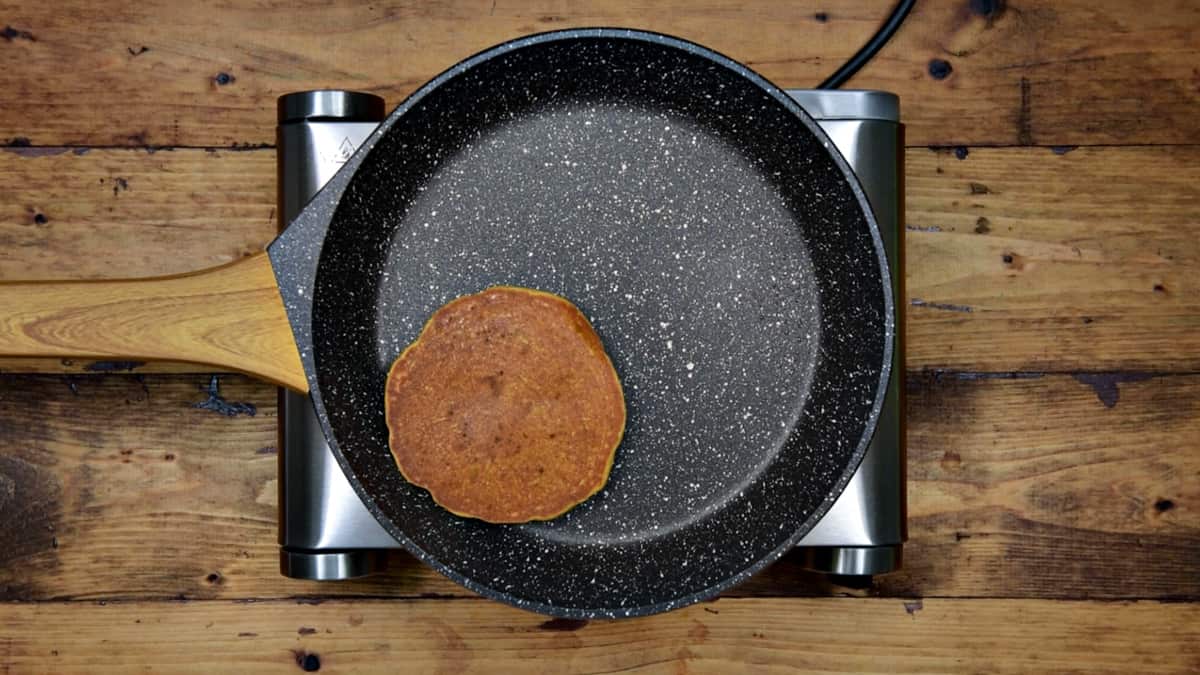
(228, 317)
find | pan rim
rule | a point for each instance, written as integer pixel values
(888, 328)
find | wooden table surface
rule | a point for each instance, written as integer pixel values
(1053, 283)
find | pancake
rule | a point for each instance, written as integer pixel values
(506, 408)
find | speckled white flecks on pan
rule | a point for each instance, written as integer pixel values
(663, 239)
(721, 254)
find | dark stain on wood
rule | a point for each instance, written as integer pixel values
(247, 634)
(1005, 375)
(30, 494)
(1020, 542)
(1029, 554)
(821, 17)
(245, 147)
(563, 624)
(977, 188)
(940, 69)
(141, 140)
(306, 630)
(1035, 547)
(1163, 505)
(942, 383)
(982, 225)
(217, 403)
(137, 52)
(990, 10)
(943, 306)
(120, 184)
(11, 34)
(224, 78)
(28, 504)
(1106, 384)
(309, 662)
(961, 152)
(30, 151)
(1025, 114)
(84, 478)
(113, 366)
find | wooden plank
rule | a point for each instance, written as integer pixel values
(476, 636)
(119, 481)
(79, 214)
(162, 73)
(1081, 487)
(1103, 245)
(1033, 260)
(118, 487)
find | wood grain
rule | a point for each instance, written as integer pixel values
(120, 488)
(476, 636)
(229, 317)
(1036, 260)
(1103, 246)
(161, 73)
(1080, 486)
(74, 213)
(1039, 503)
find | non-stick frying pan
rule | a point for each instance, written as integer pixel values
(724, 252)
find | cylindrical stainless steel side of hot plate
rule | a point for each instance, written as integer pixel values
(864, 531)
(325, 532)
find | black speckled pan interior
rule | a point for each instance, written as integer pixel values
(723, 251)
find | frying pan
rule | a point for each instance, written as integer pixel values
(724, 252)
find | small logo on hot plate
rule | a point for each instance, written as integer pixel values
(343, 153)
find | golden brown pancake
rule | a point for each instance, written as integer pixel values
(506, 407)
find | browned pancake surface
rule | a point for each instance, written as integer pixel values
(506, 407)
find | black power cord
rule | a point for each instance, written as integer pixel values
(868, 51)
